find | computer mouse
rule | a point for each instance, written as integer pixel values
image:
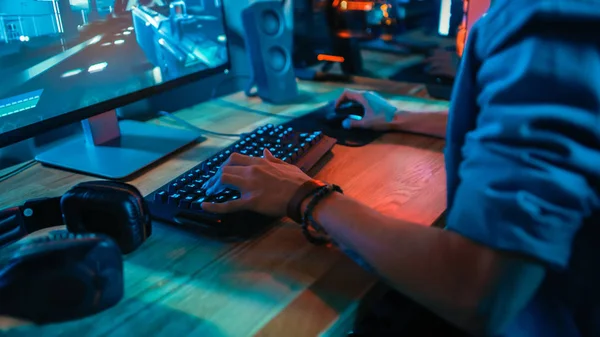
(346, 109)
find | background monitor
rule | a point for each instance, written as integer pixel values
(62, 61)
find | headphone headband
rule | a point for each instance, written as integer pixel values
(35, 214)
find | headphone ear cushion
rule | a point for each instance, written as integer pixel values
(60, 277)
(112, 208)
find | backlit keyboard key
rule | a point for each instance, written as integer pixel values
(185, 202)
(174, 199)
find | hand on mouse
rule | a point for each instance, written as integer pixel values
(266, 184)
(378, 112)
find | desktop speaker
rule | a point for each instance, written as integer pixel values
(269, 46)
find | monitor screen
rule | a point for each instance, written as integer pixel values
(61, 56)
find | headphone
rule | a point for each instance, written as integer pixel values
(76, 273)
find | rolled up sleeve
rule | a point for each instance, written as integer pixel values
(530, 173)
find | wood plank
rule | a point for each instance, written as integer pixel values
(248, 287)
(332, 298)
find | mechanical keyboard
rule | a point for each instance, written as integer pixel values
(179, 201)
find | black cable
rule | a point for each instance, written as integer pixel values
(195, 128)
(18, 170)
(255, 111)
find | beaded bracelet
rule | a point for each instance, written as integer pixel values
(308, 222)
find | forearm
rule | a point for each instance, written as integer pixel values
(424, 263)
(435, 121)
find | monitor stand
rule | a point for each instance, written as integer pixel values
(116, 150)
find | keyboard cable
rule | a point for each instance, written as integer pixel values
(195, 128)
(249, 93)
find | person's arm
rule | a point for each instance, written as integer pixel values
(441, 270)
(429, 123)
(381, 115)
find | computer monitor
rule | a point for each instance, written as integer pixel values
(63, 61)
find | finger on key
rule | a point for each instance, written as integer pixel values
(270, 157)
(226, 207)
(236, 159)
(226, 180)
(212, 180)
(232, 170)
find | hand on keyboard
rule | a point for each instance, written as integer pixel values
(266, 184)
(246, 191)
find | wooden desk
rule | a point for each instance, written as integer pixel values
(180, 285)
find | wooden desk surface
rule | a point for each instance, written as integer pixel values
(180, 285)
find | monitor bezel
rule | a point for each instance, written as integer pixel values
(32, 130)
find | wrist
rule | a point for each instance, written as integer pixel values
(326, 200)
(394, 124)
(302, 194)
(310, 224)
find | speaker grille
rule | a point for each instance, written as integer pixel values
(268, 42)
(277, 59)
(271, 22)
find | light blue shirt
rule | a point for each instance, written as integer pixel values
(523, 153)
